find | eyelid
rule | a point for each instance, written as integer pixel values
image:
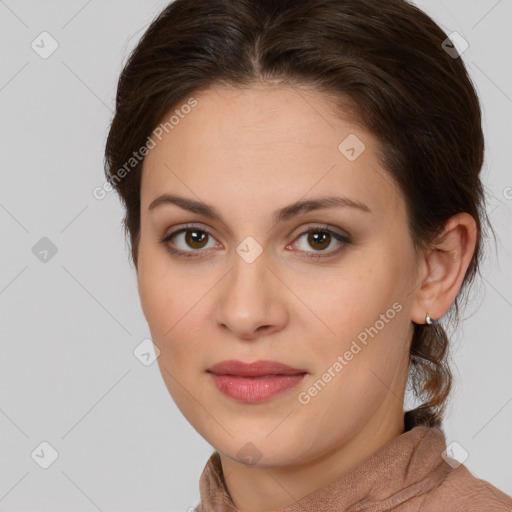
(177, 230)
(320, 227)
(185, 227)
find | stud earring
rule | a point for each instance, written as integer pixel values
(428, 320)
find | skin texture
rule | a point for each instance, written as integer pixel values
(248, 152)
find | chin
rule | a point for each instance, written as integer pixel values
(260, 450)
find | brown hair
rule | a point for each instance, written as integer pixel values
(384, 61)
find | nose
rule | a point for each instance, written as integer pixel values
(252, 300)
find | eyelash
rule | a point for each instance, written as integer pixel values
(310, 229)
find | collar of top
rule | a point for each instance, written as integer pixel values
(406, 466)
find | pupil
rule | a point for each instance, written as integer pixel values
(316, 238)
(195, 234)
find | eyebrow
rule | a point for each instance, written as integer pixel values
(283, 214)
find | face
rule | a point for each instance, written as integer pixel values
(325, 290)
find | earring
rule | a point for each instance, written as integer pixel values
(428, 320)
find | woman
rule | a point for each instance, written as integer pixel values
(303, 203)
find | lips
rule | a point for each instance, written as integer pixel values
(255, 369)
(255, 382)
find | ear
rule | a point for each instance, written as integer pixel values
(443, 267)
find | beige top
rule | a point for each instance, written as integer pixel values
(407, 474)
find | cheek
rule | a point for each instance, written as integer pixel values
(360, 315)
(165, 302)
(173, 306)
(159, 283)
(346, 302)
(160, 290)
(157, 303)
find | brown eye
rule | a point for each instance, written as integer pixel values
(195, 238)
(189, 242)
(319, 239)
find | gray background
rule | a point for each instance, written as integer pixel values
(69, 325)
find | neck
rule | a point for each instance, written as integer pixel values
(263, 489)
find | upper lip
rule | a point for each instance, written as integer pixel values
(254, 369)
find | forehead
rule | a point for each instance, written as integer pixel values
(266, 142)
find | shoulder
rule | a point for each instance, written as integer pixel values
(462, 491)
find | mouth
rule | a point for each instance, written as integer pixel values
(254, 382)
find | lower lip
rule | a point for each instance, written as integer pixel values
(255, 389)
